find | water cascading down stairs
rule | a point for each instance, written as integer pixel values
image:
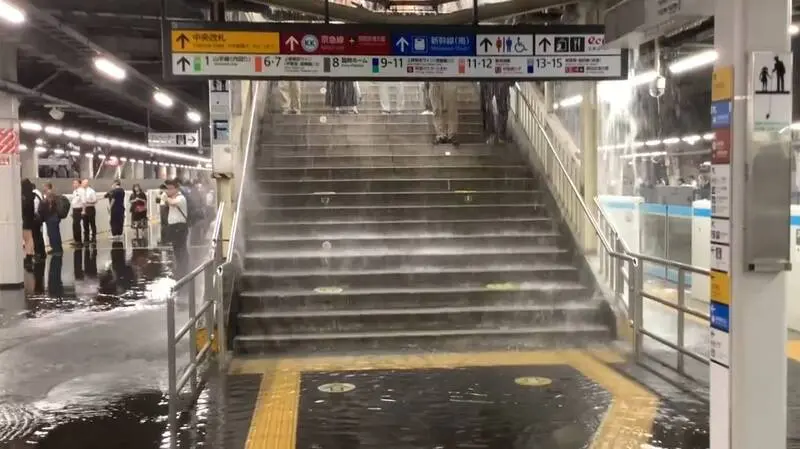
(361, 234)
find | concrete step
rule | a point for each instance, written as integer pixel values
(404, 118)
(347, 321)
(505, 338)
(408, 228)
(353, 241)
(486, 274)
(450, 198)
(391, 212)
(454, 184)
(410, 138)
(382, 258)
(367, 127)
(372, 103)
(382, 149)
(418, 160)
(391, 172)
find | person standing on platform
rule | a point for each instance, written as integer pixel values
(177, 223)
(49, 211)
(163, 213)
(290, 96)
(138, 201)
(89, 213)
(386, 97)
(444, 99)
(116, 199)
(495, 126)
(28, 220)
(38, 234)
(77, 212)
(342, 96)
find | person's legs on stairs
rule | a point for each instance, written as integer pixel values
(451, 109)
(294, 96)
(425, 89)
(503, 98)
(401, 97)
(487, 114)
(384, 96)
(286, 99)
(437, 102)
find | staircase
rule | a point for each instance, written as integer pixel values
(362, 235)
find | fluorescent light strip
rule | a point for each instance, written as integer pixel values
(36, 127)
(11, 13)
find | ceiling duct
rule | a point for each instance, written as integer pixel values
(631, 23)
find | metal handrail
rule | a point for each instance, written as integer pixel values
(209, 313)
(571, 184)
(248, 152)
(635, 272)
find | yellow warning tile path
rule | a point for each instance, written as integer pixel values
(628, 422)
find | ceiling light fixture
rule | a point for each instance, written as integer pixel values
(53, 130)
(194, 116)
(109, 68)
(11, 13)
(163, 99)
(72, 134)
(694, 61)
(31, 126)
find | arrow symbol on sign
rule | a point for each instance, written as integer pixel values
(486, 44)
(291, 42)
(192, 139)
(183, 63)
(183, 40)
(402, 43)
(544, 43)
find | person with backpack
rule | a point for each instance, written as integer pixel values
(116, 210)
(38, 237)
(195, 211)
(52, 210)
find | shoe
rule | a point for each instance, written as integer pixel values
(491, 140)
(440, 140)
(386, 111)
(426, 112)
(452, 141)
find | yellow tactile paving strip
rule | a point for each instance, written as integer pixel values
(628, 423)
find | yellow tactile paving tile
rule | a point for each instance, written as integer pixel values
(793, 350)
(627, 424)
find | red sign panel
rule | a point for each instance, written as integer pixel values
(9, 141)
(335, 44)
(721, 147)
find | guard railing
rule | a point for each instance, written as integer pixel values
(620, 270)
(203, 331)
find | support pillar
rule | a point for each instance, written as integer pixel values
(87, 167)
(172, 172)
(127, 170)
(138, 170)
(751, 175)
(29, 164)
(162, 172)
(589, 134)
(13, 273)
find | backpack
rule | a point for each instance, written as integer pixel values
(195, 212)
(62, 206)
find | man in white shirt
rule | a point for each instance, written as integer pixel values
(177, 223)
(77, 211)
(89, 213)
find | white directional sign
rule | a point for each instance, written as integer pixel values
(504, 44)
(313, 66)
(174, 140)
(572, 44)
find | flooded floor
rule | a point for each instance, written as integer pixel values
(83, 357)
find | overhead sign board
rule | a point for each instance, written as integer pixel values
(173, 140)
(222, 41)
(372, 52)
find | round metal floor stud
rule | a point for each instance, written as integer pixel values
(326, 245)
(323, 90)
(533, 381)
(323, 119)
(336, 388)
(329, 290)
